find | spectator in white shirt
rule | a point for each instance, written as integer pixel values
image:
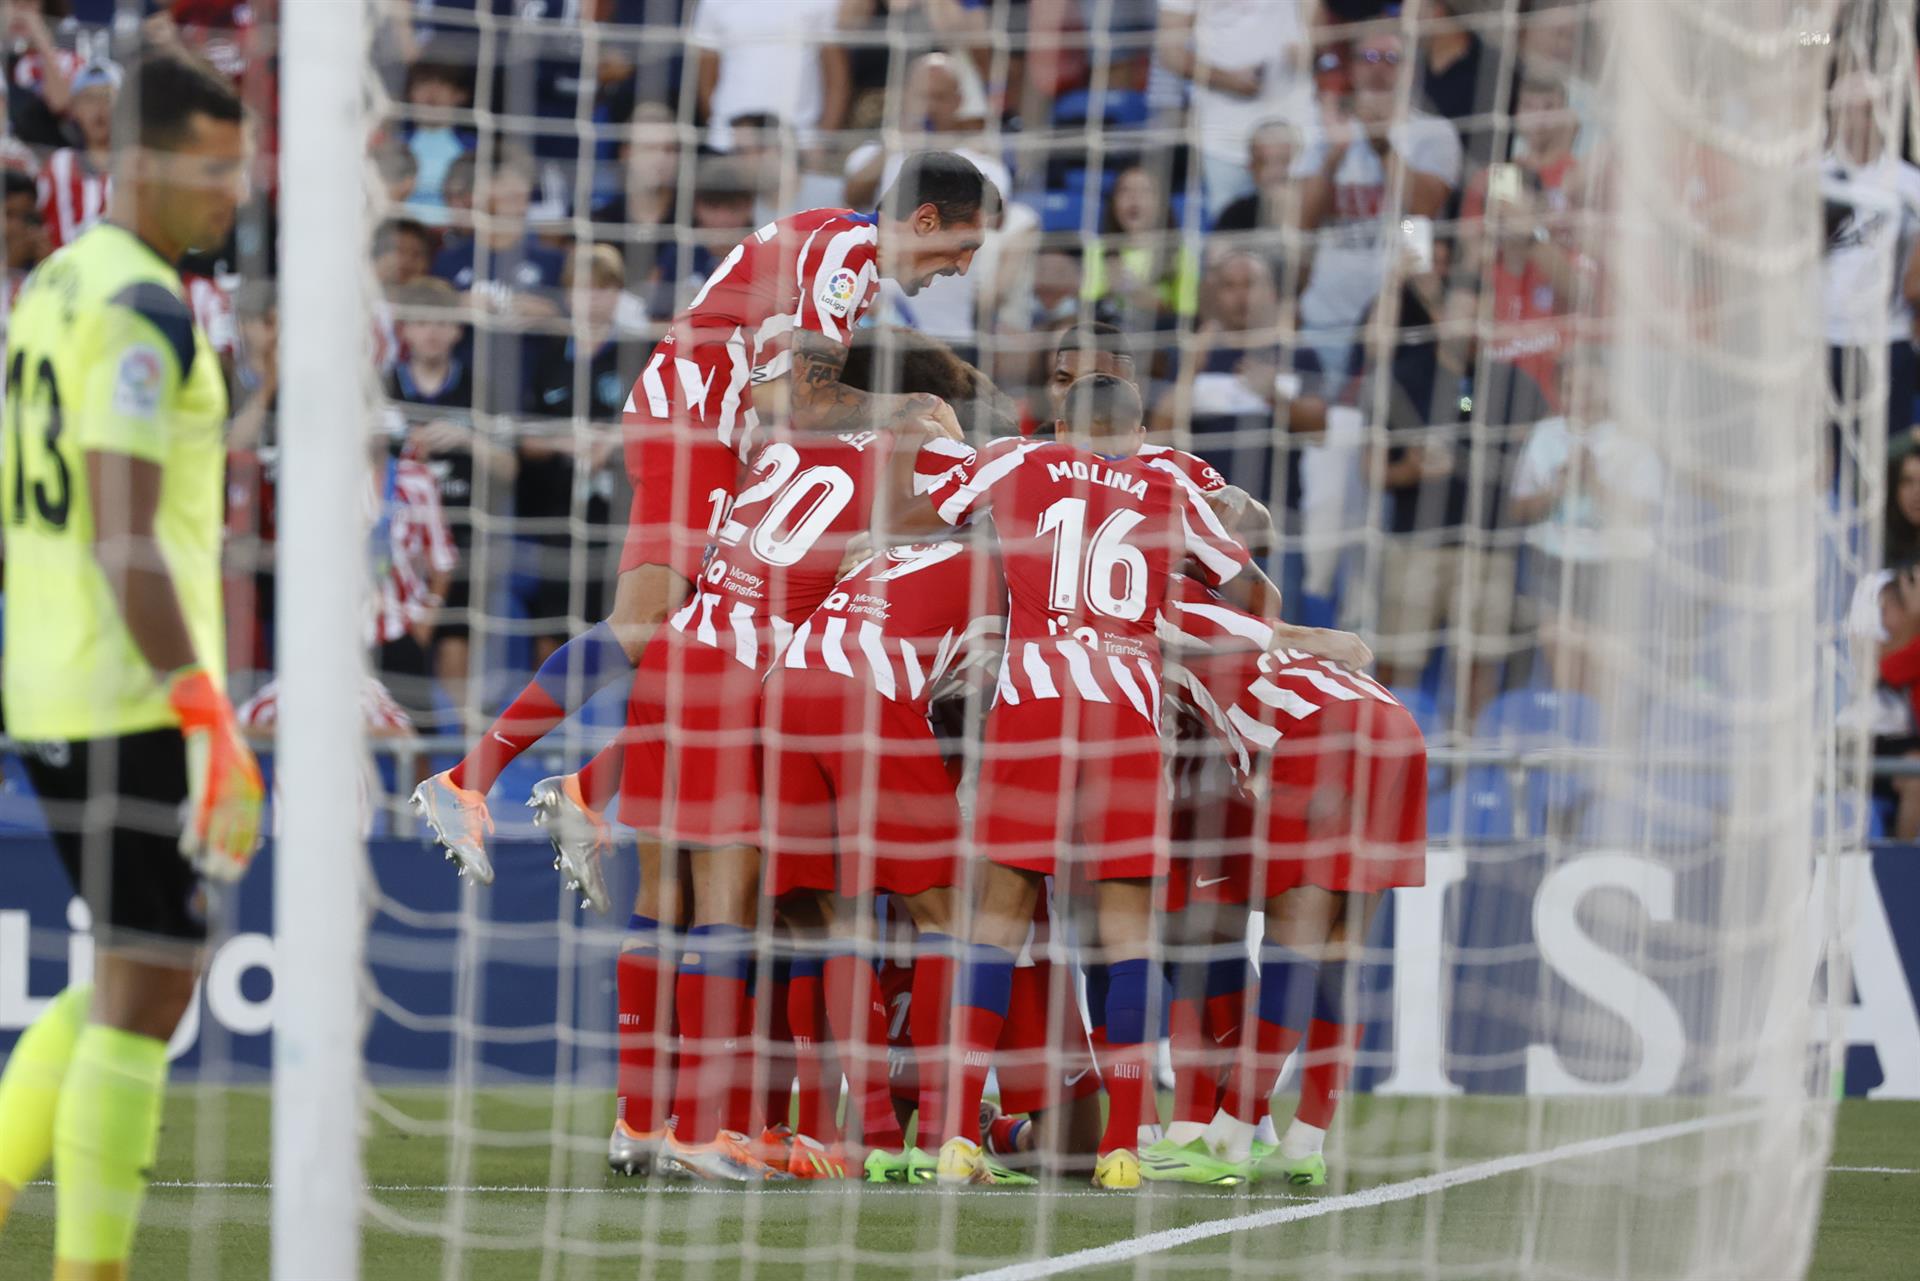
(1872, 275)
(1363, 151)
(1584, 491)
(1247, 62)
(761, 58)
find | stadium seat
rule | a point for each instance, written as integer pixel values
(1484, 804)
(1061, 211)
(1120, 109)
(1538, 718)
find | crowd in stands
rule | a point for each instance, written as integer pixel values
(1279, 201)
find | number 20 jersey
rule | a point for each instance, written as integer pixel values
(777, 551)
(103, 355)
(1089, 544)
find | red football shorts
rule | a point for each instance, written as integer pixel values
(859, 799)
(1056, 771)
(1043, 1059)
(1212, 849)
(1347, 808)
(681, 475)
(691, 774)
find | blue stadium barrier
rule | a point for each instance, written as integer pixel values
(544, 969)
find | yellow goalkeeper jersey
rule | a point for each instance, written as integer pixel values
(103, 356)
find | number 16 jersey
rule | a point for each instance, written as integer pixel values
(1089, 545)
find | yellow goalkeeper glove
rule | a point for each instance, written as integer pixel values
(224, 791)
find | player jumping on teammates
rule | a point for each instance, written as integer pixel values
(777, 311)
(113, 483)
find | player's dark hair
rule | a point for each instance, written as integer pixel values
(21, 184)
(949, 182)
(889, 360)
(1097, 336)
(1102, 405)
(166, 93)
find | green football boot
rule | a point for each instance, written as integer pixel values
(1301, 1172)
(1166, 1162)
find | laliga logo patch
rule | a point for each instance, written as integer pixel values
(836, 292)
(136, 387)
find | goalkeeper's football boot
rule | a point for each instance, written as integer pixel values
(631, 1152)
(1167, 1162)
(581, 836)
(459, 821)
(809, 1158)
(1302, 1172)
(1117, 1171)
(728, 1158)
(1262, 1150)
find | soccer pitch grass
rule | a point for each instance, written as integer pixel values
(208, 1212)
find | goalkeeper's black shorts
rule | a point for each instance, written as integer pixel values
(114, 808)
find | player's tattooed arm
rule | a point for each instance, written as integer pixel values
(821, 402)
(1252, 592)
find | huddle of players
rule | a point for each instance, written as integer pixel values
(781, 741)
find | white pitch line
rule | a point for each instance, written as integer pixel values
(642, 1187)
(1870, 1169)
(1385, 1194)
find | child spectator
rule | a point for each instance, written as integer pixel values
(435, 91)
(76, 182)
(402, 252)
(431, 395)
(398, 170)
(641, 219)
(413, 559)
(39, 71)
(558, 457)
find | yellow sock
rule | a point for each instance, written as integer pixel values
(30, 1089)
(106, 1133)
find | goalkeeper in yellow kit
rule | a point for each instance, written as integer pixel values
(111, 488)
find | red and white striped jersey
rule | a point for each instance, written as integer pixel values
(1202, 473)
(908, 622)
(212, 311)
(73, 195)
(417, 546)
(382, 716)
(1089, 545)
(816, 270)
(778, 549)
(1224, 676)
(30, 72)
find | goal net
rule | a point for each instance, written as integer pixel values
(1559, 339)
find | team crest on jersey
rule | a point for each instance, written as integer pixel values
(136, 387)
(836, 292)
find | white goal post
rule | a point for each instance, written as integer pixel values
(320, 869)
